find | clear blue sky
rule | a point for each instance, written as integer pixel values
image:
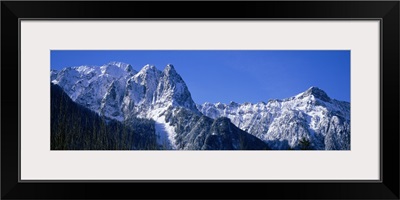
(234, 75)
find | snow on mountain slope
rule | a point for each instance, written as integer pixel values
(90, 85)
(117, 91)
(165, 134)
(312, 116)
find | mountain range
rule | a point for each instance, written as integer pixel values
(118, 93)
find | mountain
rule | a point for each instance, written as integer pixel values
(201, 132)
(309, 120)
(115, 89)
(117, 92)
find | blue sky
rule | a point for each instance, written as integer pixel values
(234, 75)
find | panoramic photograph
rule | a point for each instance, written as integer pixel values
(200, 100)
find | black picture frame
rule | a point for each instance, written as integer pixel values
(386, 11)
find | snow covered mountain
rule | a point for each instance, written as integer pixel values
(308, 120)
(115, 90)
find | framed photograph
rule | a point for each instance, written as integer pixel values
(247, 102)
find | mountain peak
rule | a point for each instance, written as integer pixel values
(169, 69)
(313, 88)
(150, 72)
(125, 66)
(119, 64)
(317, 93)
(232, 103)
(148, 67)
(148, 76)
(170, 66)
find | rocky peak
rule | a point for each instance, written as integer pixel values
(119, 64)
(149, 72)
(169, 70)
(317, 93)
(233, 104)
(148, 67)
